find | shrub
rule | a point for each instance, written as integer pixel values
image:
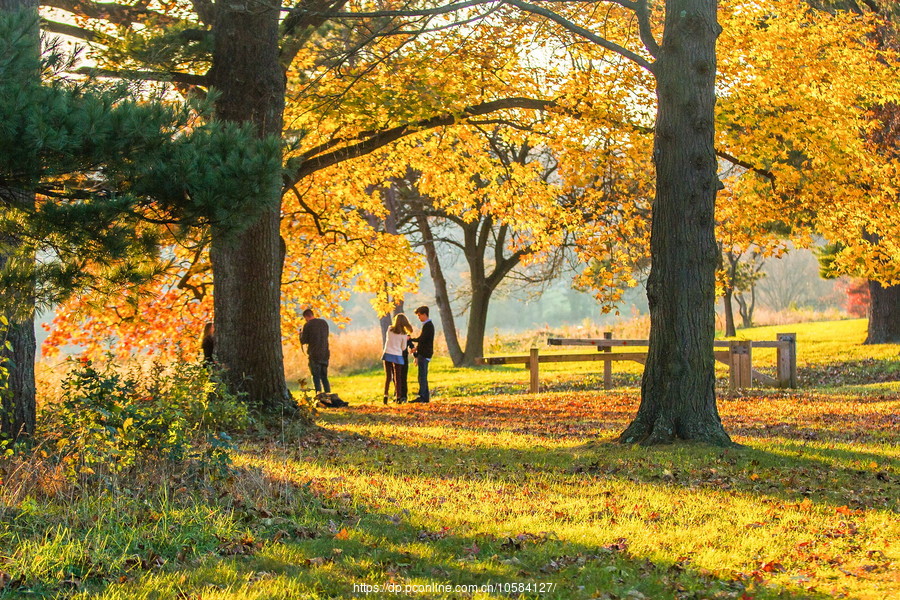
(108, 421)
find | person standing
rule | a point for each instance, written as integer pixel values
(208, 344)
(423, 353)
(315, 335)
(395, 357)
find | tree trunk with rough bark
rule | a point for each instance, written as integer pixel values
(247, 266)
(678, 389)
(746, 307)
(17, 396)
(442, 298)
(478, 312)
(18, 400)
(884, 314)
(728, 309)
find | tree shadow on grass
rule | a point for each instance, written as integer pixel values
(407, 562)
(362, 545)
(330, 546)
(787, 462)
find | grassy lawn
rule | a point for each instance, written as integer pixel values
(491, 486)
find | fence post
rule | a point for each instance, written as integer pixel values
(533, 367)
(607, 364)
(786, 361)
(741, 366)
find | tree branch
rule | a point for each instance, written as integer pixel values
(198, 291)
(119, 14)
(642, 9)
(299, 21)
(322, 156)
(652, 47)
(742, 163)
(173, 77)
(645, 28)
(487, 227)
(502, 269)
(500, 243)
(69, 30)
(450, 241)
(425, 12)
(581, 31)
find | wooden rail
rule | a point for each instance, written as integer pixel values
(737, 355)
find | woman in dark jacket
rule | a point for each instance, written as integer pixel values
(208, 343)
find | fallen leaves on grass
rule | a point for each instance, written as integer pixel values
(241, 546)
(318, 561)
(144, 563)
(620, 545)
(517, 542)
(429, 536)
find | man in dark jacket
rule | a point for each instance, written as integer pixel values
(315, 336)
(423, 353)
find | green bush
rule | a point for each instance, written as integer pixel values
(109, 420)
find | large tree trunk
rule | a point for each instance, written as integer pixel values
(884, 302)
(17, 397)
(678, 388)
(17, 386)
(478, 311)
(730, 330)
(247, 266)
(390, 226)
(442, 298)
(884, 314)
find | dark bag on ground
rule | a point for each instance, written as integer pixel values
(330, 401)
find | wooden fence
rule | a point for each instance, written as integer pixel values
(737, 355)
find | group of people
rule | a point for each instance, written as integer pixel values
(397, 347)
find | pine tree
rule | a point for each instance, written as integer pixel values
(88, 174)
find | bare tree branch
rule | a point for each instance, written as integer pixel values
(198, 291)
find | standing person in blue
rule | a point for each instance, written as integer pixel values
(315, 335)
(423, 353)
(395, 357)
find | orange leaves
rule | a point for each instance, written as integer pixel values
(771, 567)
(848, 512)
(162, 322)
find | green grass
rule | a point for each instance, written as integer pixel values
(832, 355)
(489, 484)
